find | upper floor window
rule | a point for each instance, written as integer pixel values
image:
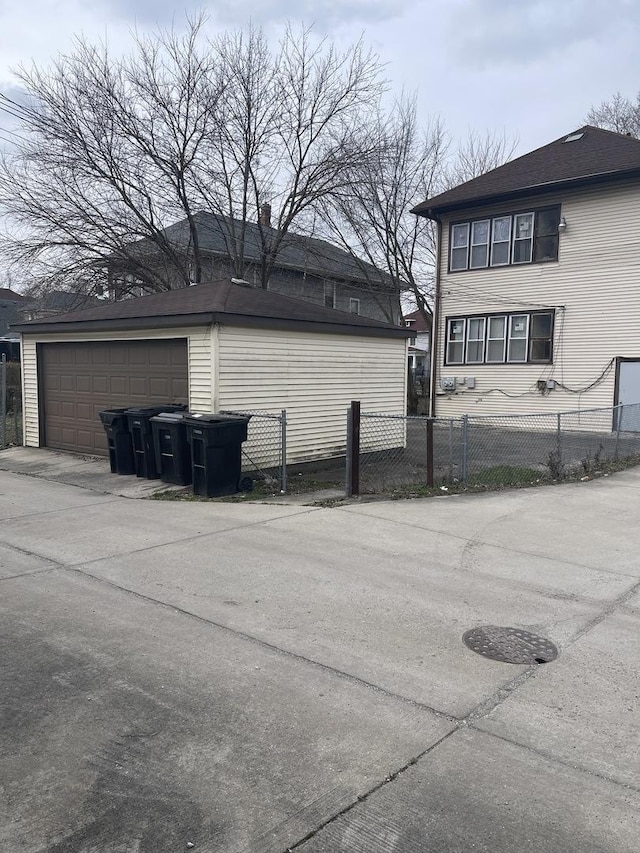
(354, 306)
(329, 295)
(509, 239)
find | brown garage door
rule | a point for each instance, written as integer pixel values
(79, 380)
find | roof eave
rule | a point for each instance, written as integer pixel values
(435, 211)
(207, 319)
(119, 323)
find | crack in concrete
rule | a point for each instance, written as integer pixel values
(363, 797)
(264, 644)
(508, 549)
(482, 710)
(562, 761)
(59, 510)
(31, 572)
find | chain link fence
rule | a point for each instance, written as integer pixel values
(398, 451)
(264, 453)
(10, 403)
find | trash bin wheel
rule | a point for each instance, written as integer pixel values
(246, 484)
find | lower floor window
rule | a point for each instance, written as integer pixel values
(498, 338)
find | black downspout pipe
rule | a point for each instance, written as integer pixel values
(435, 323)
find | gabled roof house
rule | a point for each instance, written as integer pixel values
(305, 268)
(538, 291)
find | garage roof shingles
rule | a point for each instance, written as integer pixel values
(216, 302)
(594, 156)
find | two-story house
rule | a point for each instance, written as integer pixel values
(419, 324)
(537, 303)
(305, 267)
(10, 302)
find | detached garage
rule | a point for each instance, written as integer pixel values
(213, 346)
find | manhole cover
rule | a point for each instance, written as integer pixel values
(509, 645)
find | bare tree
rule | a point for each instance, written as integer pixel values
(292, 127)
(107, 162)
(619, 114)
(477, 154)
(371, 216)
(117, 150)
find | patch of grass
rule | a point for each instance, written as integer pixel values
(506, 475)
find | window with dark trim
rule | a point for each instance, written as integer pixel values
(518, 338)
(527, 237)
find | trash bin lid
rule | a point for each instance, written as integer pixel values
(169, 417)
(211, 418)
(110, 416)
(152, 411)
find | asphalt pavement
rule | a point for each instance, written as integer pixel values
(263, 677)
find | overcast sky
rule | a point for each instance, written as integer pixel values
(529, 69)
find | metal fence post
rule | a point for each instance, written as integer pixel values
(3, 401)
(353, 449)
(559, 441)
(464, 448)
(451, 451)
(430, 452)
(619, 413)
(283, 451)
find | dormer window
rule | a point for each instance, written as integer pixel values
(526, 237)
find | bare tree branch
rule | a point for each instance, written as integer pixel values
(619, 114)
(370, 217)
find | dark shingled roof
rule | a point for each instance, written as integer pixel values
(296, 252)
(216, 302)
(8, 295)
(596, 157)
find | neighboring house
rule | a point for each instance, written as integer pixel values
(419, 324)
(306, 268)
(537, 291)
(213, 346)
(10, 302)
(53, 303)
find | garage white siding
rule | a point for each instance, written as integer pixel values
(200, 364)
(31, 429)
(314, 377)
(593, 288)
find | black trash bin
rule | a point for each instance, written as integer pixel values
(216, 453)
(173, 456)
(116, 427)
(144, 457)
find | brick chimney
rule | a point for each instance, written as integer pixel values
(265, 215)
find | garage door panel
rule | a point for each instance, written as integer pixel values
(118, 385)
(79, 380)
(97, 355)
(138, 386)
(138, 356)
(179, 389)
(84, 412)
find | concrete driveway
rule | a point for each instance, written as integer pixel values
(261, 677)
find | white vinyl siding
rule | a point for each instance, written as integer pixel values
(200, 384)
(314, 377)
(592, 288)
(31, 427)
